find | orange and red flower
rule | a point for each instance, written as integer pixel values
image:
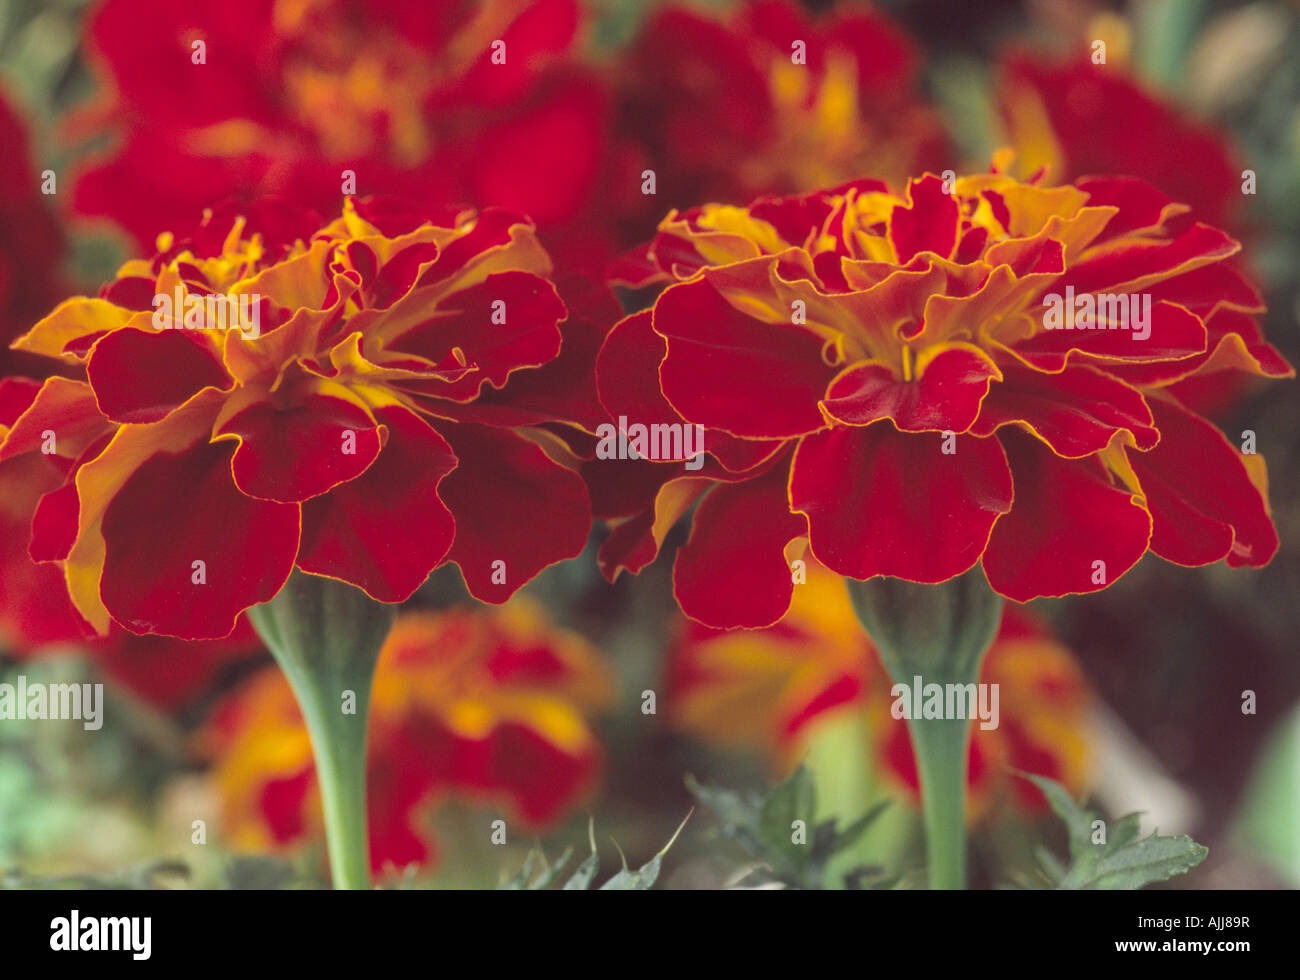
(771, 101)
(491, 706)
(1075, 118)
(768, 690)
(31, 245)
(440, 102)
(1070, 118)
(361, 427)
(876, 378)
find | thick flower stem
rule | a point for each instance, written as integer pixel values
(934, 634)
(326, 636)
(941, 748)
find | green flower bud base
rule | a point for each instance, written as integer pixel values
(939, 633)
(326, 636)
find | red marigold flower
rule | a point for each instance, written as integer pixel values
(768, 691)
(771, 101)
(353, 418)
(876, 374)
(31, 245)
(1071, 118)
(37, 618)
(469, 102)
(489, 705)
(1074, 118)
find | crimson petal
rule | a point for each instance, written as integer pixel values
(883, 502)
(1067, 516)
(732, 571)
(386, 530)
(150, 582)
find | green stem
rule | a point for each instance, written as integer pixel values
(326, 637)
(941, 749)
(934, 634)
(338, 743)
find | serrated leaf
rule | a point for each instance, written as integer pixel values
(737, 813)
(549, 874)
(1138, 863)
(1123, 861)
(850, 834)
(520, 881)
(730, 806)
(1077, 820)
(1123, 830)
(795, 799)
(644, 877)
(581, 878)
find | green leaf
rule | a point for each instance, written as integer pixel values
(738, 813)
(581, 879)
(256, 872)
(795, 799)
(550, 873)
(645, 876)
(762, 825)
(1137, 863)
(850, 834)
(520, 881)
(1078, 822)
(1123, 861)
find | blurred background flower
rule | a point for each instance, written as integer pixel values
(492, 706)
(451, 102)
(769, 690)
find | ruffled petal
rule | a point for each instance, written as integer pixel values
(388, 528)
(517, 510)
(140, 376)
(730, 371)
(1071, 530)
(883, 502)
(732, 572)
(1076, 412)
(946, 395)
(1204, 504)
(300, 451)
(178, 510)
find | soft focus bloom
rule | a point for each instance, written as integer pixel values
(37, 618)
(34, 605)
(1075, 118)
(31, 245)
(358, 424)
(491, 706)
(772, 101)
(440, 102)
(877, 378)
(767, 690)
(1071, 118)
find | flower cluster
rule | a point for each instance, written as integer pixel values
(430, 102)
(414, 285)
